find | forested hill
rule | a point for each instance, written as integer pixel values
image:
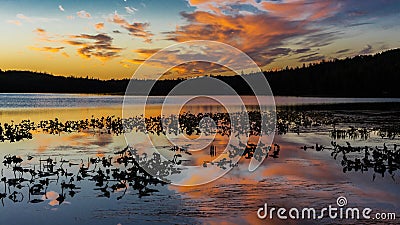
(361, 76)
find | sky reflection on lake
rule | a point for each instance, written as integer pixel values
(297, 178)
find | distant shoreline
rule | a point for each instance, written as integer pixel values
(365, 76)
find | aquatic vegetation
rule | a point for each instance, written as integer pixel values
(110, 175)
(16, 132)
(132, 169)
(225, 124)
(381, 159)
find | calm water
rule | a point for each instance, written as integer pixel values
(16, 101)
(297, 178)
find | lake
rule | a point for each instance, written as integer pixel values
(82, 173)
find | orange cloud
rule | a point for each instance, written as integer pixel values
(261, 35)
(175, 60)
(83, 14)
(99, 46)
(256, 35)
(135, 29)
(134, 61)
(99, 26)
(75, 43)
(43, 36)
(145, 53)
(40, 31)
(46, 49)
(259, 28)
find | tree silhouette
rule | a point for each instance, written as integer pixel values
(360, 76)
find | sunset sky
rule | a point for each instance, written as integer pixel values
(110, 38)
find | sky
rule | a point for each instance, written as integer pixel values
(109, 39)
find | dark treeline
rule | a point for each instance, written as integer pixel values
(34, 82)
(360, 76)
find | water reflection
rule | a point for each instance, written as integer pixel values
(194, 124)
(360, 159)
(109, 175)
(290, 177)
